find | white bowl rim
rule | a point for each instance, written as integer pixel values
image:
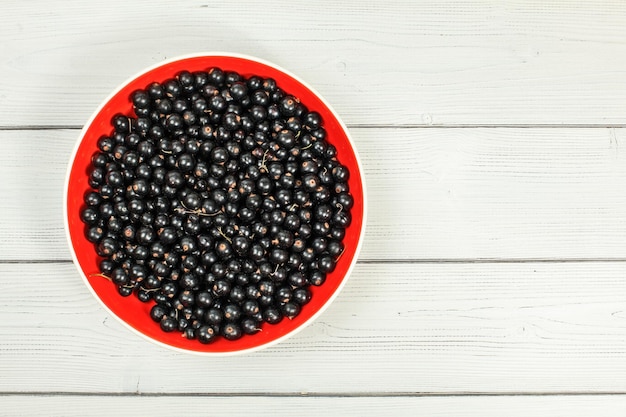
(328, 302)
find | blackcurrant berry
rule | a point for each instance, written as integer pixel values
(206, 334)
(272, 315)
(290, 310)
(231, 331)
(168, 324)
(250, 325)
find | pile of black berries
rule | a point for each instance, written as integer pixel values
(220, 201)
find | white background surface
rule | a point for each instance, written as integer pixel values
(492, 279)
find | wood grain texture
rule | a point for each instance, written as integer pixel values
(554, 406)
(491, 281)
(394, 329)
(395, 62)
(432, 193)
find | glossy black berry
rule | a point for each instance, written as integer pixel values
(272, 315)
(231, 331)
(168, 324)
(125, 291)
(232, 312)
(301, 295)
(317, 278)
(90, 216)
(207, 334)
(158, 312)
(290, 310)
(279, 256)
(186, 162)
(250, 325)
(326, 264)
(264, 185)
(121, 123)
(95, 234)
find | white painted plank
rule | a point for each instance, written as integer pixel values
(433, 193)
(396, 328)
(394, 62)
(553, 406)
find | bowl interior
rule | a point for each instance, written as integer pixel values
(133, 312)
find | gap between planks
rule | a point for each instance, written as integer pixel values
(314, 394)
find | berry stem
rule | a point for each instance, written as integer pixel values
(219, 229)
(101, 275)
(263, 166)
(199, 212)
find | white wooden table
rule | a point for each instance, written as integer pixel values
(492, 280)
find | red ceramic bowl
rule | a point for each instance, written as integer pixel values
(135, 314)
